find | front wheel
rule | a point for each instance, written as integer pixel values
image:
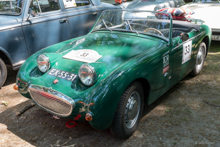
(200, 59)
(3, 73)
(128, 112)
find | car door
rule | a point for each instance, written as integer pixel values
(45, 24)
(82, 15)
(183, 57)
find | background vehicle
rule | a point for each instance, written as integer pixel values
(206, 11)
(147, 5)
(27, 26)
(106, 76)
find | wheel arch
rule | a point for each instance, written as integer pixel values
(146, 87)
(104, 124)
(5, 57)
(207, 42)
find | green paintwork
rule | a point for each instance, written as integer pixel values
(126, 57)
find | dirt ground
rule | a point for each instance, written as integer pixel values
(187, 115)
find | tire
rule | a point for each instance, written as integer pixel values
(200, 59)
(128, 112)
(3, 73)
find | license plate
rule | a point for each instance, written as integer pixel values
(62, 74)
(216, 37)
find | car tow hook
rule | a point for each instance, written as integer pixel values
(71, 124)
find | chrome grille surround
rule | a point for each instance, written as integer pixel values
(51, 100)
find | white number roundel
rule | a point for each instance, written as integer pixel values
(187, 49)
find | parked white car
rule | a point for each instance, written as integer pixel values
(208, 11)
(149, 5)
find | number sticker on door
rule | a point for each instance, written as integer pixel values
(187, 49)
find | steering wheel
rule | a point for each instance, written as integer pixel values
(154, 30)
(109, 24)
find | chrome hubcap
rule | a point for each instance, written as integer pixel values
(200, 58)
(132, 110)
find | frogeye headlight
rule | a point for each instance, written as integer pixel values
(43, 63)
(87, 74)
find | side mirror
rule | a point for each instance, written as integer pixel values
(184, 36)
(30, 13)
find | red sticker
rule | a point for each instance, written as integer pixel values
(165, 69)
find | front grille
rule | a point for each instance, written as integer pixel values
(53, 101)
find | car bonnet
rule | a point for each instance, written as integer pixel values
(110, 49)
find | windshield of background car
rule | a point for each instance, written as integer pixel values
(206, 1)
(139, 22)
(10, 7)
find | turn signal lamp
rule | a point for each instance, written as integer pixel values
(88, 117)
(15, 87)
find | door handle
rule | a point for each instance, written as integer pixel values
(63, 20)
(94, 13)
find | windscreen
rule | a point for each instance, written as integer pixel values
(139, 22)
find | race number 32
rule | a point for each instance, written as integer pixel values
(187, 49)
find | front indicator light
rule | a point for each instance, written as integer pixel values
(15, 87)
(88, 117)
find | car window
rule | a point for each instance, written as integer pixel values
(11, 7)
(41, 6)
(181, 2)
(75, 3)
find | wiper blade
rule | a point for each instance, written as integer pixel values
(106, 25)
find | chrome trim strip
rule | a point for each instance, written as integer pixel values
(18, 63)
(216, 30)
(10, 27)
(56, 94)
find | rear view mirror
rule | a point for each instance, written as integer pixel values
(184, 36)
(32, 13)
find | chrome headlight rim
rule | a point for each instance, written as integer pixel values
(91, 74)
(46, 65)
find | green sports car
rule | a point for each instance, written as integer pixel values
(129, 59)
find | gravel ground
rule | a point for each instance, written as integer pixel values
(187, 115)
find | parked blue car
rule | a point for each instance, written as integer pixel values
(27, 26)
